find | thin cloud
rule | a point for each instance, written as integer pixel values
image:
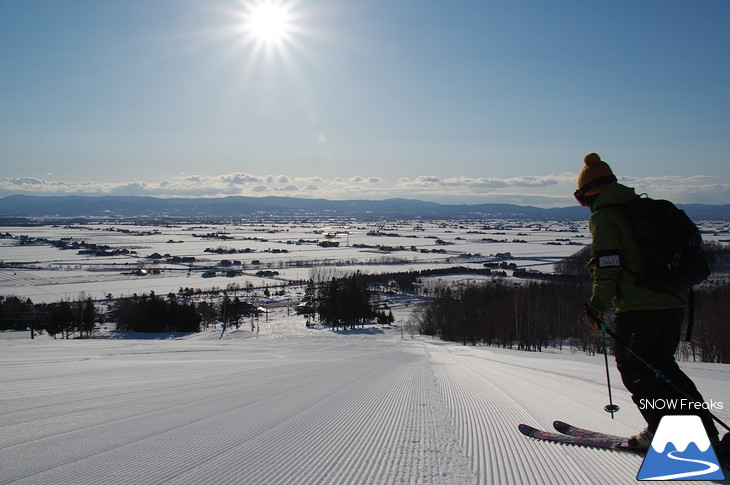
(542, 190)
(240, 178)
(698, 189)
(486, 182)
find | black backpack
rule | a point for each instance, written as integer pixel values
(669, 245)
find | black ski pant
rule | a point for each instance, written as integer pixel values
(654, 335)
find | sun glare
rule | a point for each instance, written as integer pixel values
(271, 31)
(269, 22)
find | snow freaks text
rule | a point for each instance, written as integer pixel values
(679, 404)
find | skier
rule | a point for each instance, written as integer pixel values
(648, 321)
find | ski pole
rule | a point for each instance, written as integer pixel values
(659, 373)
(610, 407)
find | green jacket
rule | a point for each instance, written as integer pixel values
(612, 282)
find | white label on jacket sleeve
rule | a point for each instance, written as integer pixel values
(609, 261)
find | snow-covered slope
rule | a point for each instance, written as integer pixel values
(304, 406)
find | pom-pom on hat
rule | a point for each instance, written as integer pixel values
(595, 176)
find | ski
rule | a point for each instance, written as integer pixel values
(588, 442)
(571, 430)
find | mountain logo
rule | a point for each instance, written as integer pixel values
(680, 450)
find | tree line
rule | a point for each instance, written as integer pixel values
(153, 313)
(532, 315)
(150, 313)
(64, 318)
(524, 315)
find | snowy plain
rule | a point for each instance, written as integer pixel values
(290, 404)
(32, 268)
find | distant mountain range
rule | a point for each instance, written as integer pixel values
(116, 207)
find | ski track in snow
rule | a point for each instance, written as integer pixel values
(315, 407)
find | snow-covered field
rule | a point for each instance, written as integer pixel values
(292, 405)
(31, 268)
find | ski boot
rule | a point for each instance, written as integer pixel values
(641, 441)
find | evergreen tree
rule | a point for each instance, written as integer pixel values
(88, 317)
(60, 319)
(345, 302)
(15, 313)
(151, 313)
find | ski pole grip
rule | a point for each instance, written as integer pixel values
(596, 317)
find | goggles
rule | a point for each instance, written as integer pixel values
(580, 194)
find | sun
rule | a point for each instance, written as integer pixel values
(269, 22)
(271, 31)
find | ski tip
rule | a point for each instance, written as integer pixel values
(561, 426)
(526, 430)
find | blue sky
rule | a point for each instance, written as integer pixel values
(466, 101)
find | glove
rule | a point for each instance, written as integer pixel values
(591, 266)
(592, 318)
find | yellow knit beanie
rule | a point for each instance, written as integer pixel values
(594, 170)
